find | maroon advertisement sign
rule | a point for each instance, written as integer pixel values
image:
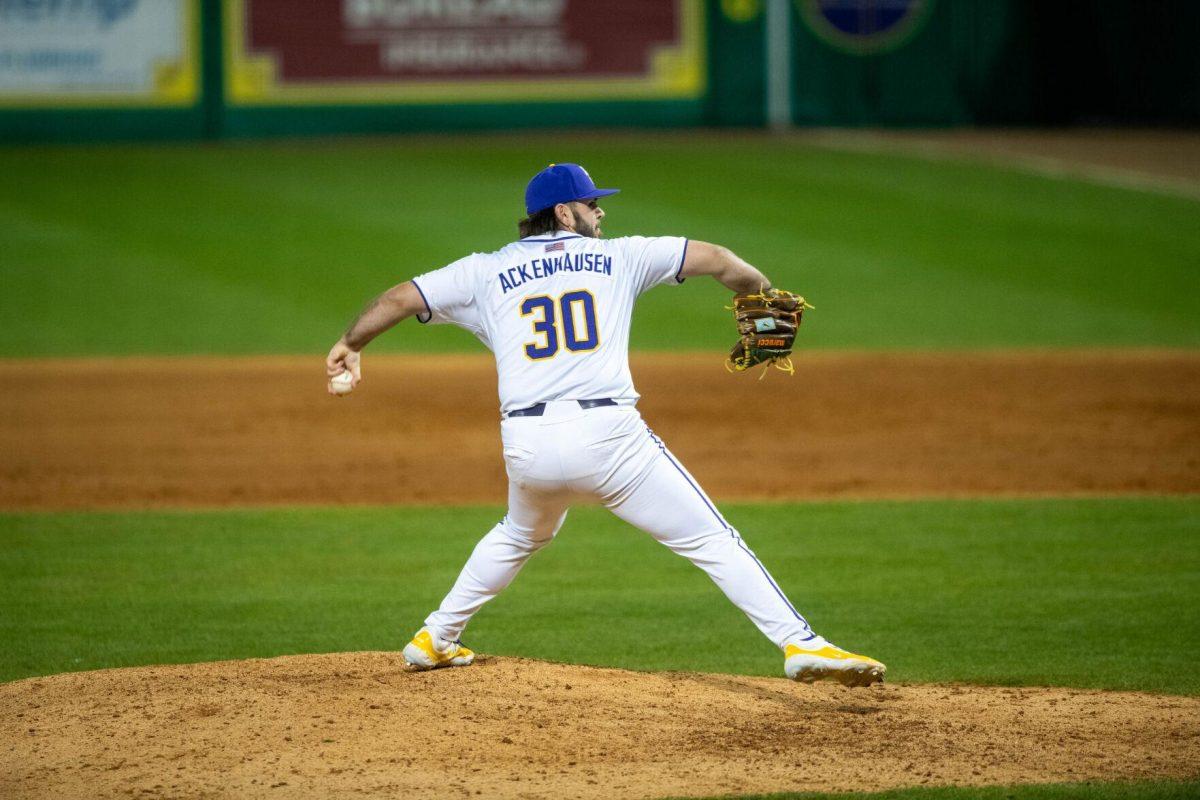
(632, 47)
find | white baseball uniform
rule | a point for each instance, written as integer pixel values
(555, 310)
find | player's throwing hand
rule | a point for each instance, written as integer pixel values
(342, 359)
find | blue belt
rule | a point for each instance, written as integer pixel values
(540, 408)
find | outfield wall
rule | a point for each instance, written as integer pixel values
(191, 69)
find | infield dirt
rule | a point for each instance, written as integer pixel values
(357, 723)
(132, 433)
(136, 433)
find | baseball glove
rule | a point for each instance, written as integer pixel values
(767, 323)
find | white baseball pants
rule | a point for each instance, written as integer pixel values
(609, 454)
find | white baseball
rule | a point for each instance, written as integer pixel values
(342, 383)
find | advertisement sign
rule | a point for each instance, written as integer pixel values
(98, 53)
(430, 51)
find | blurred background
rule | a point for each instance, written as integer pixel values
(238, 174)
(205, 69)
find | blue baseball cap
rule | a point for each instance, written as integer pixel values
(561, 183)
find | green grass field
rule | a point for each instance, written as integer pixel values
(264, 248)
(273, 247)
(1095, 593)
(1087, 593)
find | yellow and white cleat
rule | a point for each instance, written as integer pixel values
(827, 662)
(427, 651)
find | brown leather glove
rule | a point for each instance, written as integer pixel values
(767, 323)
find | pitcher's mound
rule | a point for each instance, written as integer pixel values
(332, 725)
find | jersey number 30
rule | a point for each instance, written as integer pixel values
(579, 330)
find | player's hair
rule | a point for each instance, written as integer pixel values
(543, 221)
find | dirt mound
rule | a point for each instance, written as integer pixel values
(130, 433)
(320, 726)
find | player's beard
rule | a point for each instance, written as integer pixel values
(585, 227)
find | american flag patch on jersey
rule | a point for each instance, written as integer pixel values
(550, 248)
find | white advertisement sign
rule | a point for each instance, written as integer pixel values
(98, 52)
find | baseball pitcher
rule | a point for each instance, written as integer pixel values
(554, 308)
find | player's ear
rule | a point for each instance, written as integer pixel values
(565, 215)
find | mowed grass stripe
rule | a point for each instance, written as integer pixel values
(260, 247)
(1087, 593)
